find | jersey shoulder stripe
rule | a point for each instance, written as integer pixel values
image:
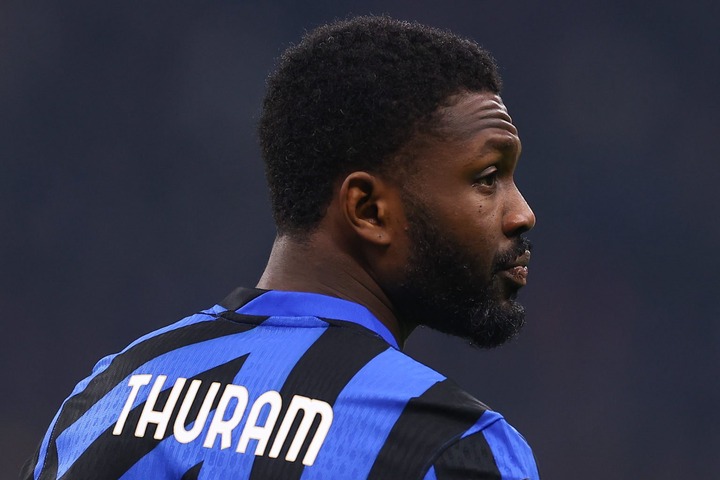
(428, 424)
(365, 412)
(491, 448)
(469, 457)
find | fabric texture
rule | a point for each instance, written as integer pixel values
(275, 385)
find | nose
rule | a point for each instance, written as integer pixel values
(518, 217)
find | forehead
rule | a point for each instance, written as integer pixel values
(469, 114)
(472, 129)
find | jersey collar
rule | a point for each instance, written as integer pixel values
(302, 304)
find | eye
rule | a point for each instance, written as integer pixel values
(487, 178)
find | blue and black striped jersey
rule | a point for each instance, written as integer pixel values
(275, 385)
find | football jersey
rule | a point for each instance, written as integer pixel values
(275, 385)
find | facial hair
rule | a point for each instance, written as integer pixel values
(447, 289)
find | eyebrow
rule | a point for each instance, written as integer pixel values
(503, 144)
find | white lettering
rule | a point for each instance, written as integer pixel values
(311, 408)
(159, 417)
(187, 436)
(222, 427)
(136, 381)
(233, 403)
(252, 430)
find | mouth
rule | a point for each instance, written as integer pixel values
(517, 271)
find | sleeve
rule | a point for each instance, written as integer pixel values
(496, 452)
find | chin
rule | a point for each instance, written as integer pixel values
(496, 325)
(485, 324)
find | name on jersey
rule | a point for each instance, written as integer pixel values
(227, 416)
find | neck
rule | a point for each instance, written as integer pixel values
(319, 266)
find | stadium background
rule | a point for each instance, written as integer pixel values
(132, 194)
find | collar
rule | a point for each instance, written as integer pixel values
(254, 301)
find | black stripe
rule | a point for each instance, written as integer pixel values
(427, 424)
(110, 456)
(193, 473)
(240, 296)
(242, 318)
(124, 364)
(471, 457)
(321, 373)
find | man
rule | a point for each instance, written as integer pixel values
(390, 159)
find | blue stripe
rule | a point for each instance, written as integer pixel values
(215, 310)
(271, 361)
(299, 304)
(365, 412)
(512, 454)
(101, 366)
(430, 475)
(486, 419)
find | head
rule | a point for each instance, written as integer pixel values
(348, 97)
(403, 126)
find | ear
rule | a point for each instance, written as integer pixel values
(367, 203)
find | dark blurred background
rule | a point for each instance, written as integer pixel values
(132, 194)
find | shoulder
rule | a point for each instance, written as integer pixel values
(491, 448)
(446, 433)
(427, 412)
(441, 394)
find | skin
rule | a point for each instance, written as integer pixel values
(462, 173)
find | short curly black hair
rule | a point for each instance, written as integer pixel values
(348, 97)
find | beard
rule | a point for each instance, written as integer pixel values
(446, 288)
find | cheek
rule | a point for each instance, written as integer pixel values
(480, 234)
(475, 221)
